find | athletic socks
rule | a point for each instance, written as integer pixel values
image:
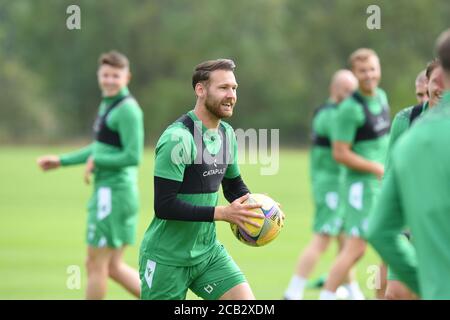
(295, 288)
(297, 285)
(342, 293)
(354, 291)
(327, 295)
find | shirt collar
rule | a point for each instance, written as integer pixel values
(204, 128)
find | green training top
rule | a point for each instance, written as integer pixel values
(416, 193)
(349, 117)
(115, 166)
(400, 124)
(185, 243)
(323, 167)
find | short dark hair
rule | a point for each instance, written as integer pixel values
(114, 59)
(433, 64)
(443, 49)
(204, 69)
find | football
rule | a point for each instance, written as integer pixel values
(271, 224)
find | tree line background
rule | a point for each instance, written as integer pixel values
(285, 51)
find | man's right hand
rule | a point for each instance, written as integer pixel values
(48, 162)
(239, 213)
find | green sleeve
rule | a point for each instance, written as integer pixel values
(348, 118)
(327, 125)
(399, 126)
(174, 151)
(128, 121)
(383, 96)
(384, 233)
(233, 168)
(76, 157)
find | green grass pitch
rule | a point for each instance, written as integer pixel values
(42, 227)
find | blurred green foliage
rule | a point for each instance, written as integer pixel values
(285, 51)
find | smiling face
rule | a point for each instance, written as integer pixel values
(435, 86)
(368, 73)
(112, 79)
(219, 93)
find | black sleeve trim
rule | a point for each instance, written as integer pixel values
(234, 188)
(168, 207)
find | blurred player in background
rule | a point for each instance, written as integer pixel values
(359, 139)
(325, 181)
(421, 85)
(113, 159)
(415, 193)
(402, 122)
(421, 91)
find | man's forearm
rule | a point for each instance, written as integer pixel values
(355, 162)
(167, 206)
(234, 188)
(76, 157)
